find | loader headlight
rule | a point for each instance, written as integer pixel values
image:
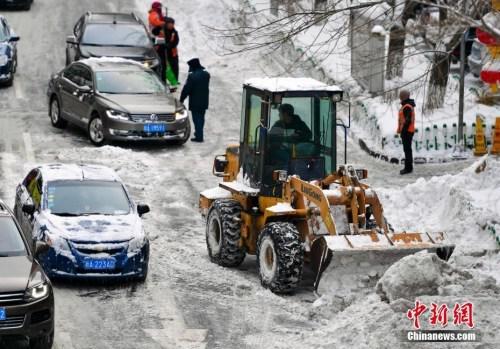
(181, 114)
(337, 97)
(117, 115)
(280, 176)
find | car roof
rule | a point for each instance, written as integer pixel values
(112, 64)
(112, 18)
(290, 84)
(79, 172)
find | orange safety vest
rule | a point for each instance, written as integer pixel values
(402, 119)
(155, 20)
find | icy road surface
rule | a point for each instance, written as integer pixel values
(187, 302)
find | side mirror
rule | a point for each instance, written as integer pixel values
(85, 89)
(142, 209)
(71, 39)
(14, 38)
(220, 163)
(40, 248)
(29, 209)
(362, 173)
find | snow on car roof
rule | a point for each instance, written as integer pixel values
(57, 172)
(290, 84)
(101, 62)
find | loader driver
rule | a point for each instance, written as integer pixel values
(288, 134)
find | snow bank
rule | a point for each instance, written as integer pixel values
(464, 206)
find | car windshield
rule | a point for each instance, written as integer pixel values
(129, 82)
(11, 243)
(125, 35)
(80, 198)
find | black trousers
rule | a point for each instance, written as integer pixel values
(174, 64)
(407, 138)
(163, 61)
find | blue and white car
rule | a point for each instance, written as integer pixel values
(8, 52)
(86, 216)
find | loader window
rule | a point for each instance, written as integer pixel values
(302, 145)
(254, 115)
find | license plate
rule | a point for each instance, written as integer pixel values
(99, 264)
(154, 128)
(3, 314)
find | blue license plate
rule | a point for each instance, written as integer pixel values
(154, 128)
(3, 314)
(100, 264)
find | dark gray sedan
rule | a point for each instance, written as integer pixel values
(116, 99)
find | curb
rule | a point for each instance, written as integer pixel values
(393, 160)
(493, 231)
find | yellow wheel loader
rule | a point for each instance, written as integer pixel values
(283, 197)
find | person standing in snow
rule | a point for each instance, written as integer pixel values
(156, 25)
(171, 43)
(406, 128)
(197, 89)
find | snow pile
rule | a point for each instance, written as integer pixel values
(425, 274)
(464, 206)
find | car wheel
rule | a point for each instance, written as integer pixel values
(55, 114)
(44, 342)
(142, 277)
(187, 134)
(14, 66)
(96, 131)
(10, 82)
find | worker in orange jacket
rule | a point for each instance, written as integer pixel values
(156, 25)
(406, 128)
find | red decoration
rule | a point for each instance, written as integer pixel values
(486, 38)
(490, 76)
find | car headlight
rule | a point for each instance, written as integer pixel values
(181, 114)
(37, 292)
(151, 63)
(4, 60)
(117, 115)
(38, 287)
(57, 243)
(137, 243)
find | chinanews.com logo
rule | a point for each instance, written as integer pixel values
(438, 316)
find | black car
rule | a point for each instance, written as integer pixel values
(8, 52)
(111, 35)
(26, 296)
(116, 99)
(18, 4)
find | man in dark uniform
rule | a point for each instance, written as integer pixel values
(197, 89)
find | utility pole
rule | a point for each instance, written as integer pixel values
(462, 83)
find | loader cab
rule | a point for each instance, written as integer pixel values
(290, 125)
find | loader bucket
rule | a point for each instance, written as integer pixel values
(351, 261)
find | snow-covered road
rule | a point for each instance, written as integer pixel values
(187, 302)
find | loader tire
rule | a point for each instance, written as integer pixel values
(280, 257)
(223, 233)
